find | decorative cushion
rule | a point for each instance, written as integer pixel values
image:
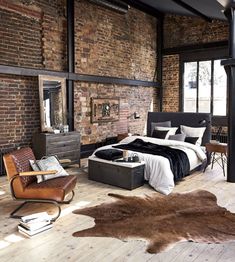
(193, 132)
(159, 133)
(109, 154)
(45, 164)
(191, 140)
(177, 137)
(164, 124)
(171, 130)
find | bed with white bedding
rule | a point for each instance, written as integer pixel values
(158, 171)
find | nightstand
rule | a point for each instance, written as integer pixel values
(218, 152)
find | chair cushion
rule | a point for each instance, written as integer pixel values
(54, 189)
(21, 159)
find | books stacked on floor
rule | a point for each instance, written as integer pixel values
(34, 224)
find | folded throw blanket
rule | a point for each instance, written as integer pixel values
(109, 154)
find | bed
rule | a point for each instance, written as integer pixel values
(158, 168)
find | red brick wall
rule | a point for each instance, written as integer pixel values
(184, 30)
(170, 82)
(113, 44)
(139, 99)
(181, 31)
(33, 34)
(19, 110)
(20, 34)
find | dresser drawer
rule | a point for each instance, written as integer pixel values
(63, 145)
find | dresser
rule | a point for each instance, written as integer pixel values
(64, 145)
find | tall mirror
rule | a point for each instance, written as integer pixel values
(52, 97)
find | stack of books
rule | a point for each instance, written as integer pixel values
(34, 224)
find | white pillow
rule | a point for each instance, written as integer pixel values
(45, 164)
(193, 132)
(171, 132)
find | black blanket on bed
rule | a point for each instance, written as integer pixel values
(178, 159)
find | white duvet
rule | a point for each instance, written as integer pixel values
(157, 168)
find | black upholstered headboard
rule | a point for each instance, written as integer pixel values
(179, 118)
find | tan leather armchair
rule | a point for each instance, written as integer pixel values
(24, 186)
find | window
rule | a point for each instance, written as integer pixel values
(204, 87)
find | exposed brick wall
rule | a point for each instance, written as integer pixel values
(54, 35)
(19, 111)
(33, 34)
(140, 99)
(184, 30)
(170, 82)
(113, 44)
(181, 31)
(20, 34)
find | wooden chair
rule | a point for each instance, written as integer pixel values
(24, 186)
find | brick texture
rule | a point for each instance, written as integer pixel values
(19, 111)
(184, 30)
(33, 34)
(139, 99)
(112, 44)
(170, 82)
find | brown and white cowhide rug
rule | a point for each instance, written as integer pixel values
(162, 220)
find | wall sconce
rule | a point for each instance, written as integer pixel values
(135, 115)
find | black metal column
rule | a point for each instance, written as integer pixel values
(70, 62)
(159, 65)
(230, 70)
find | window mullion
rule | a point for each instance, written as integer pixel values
(197, 102)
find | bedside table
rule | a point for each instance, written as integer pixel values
(219, 150)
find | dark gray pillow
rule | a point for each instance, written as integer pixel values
(177, 137)
(163, 124)
(159, 134)
(191, 140)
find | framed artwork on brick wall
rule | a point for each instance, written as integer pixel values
(105, 109)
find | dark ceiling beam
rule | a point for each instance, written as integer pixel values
(192, 10)
(35, 72)
(144, 8)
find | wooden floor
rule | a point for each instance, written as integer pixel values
(57, 244)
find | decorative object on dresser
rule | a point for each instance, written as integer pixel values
(163, 221)
(63, 145)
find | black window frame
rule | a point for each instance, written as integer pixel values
(197, 56)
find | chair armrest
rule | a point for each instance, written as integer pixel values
(35, 173)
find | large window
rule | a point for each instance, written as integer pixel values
(204, 87)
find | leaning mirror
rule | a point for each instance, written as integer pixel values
(52, 97)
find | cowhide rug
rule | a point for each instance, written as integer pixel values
(162, 220)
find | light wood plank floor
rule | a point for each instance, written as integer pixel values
(58, 244)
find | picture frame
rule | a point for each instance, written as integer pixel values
(105, 109)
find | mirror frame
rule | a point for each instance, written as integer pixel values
(42, 78)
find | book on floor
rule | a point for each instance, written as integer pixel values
(29, 233)
(34, 224)
(42, 216)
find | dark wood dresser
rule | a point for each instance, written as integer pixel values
(64, 145)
